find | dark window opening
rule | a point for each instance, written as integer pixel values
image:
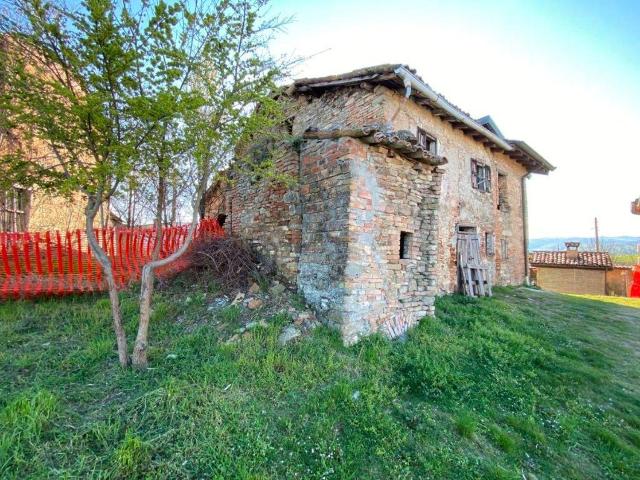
(480, 176)
(405, 245)
(503, 204)
(14, 206)
(221, 219)
(427, 141)
(466, 229)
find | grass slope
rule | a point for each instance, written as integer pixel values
(524, 385)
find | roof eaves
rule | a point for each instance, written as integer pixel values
(543, 165)
(441, 102)
(516, 149)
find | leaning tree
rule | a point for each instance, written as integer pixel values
(127, 92)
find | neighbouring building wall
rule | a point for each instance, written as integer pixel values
(45, 211)
(619, 281)
(49, 212)
(460, 203)
(572, 280)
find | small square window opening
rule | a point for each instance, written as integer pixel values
(405, 245)
(426, 141)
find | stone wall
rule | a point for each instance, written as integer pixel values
(460, 203)
(266, 213)
(336, 233)
(390, 195)
(325, 175)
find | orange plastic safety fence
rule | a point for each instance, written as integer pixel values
(634, 291)
(61, 263)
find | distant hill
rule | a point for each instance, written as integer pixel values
(615, 245)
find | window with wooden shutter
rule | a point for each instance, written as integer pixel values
(426, 141)
(490, 243)
(480, 176)
(503, 203)
(14, 204)
(504, 247)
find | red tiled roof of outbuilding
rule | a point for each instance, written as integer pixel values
(561, 259)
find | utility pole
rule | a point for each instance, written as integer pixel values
(597, 236)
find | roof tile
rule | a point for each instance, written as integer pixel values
(560, 259)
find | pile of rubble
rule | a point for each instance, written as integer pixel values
(259, 303)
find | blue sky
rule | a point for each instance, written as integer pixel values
(563, 76)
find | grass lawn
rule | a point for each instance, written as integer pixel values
(527, 385)
(624, 259)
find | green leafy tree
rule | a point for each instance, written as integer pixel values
(131, 92)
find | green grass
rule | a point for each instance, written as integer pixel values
(527, 384)
(624, 259)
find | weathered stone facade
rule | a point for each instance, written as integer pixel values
(367, 233)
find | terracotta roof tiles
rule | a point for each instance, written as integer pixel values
(560, 259)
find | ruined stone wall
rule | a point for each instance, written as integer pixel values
(336, 234)
(271, 215)
(460, 203)
(325, 195)
(389, 195)
(264, 212)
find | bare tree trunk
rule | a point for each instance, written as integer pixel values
(174, 203)
(129, 206)
(121, 338)
(139, 357)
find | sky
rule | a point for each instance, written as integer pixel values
(564, 76)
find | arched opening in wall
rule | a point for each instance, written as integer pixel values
(221, 219)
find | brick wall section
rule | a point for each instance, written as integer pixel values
(572, 280)
(324, 193)
(619, 281)
(266, 213)
(50, 212)
(46, 211)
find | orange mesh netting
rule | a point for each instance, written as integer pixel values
(59, 263)
(635, 285)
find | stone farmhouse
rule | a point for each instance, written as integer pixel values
(388, 174)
